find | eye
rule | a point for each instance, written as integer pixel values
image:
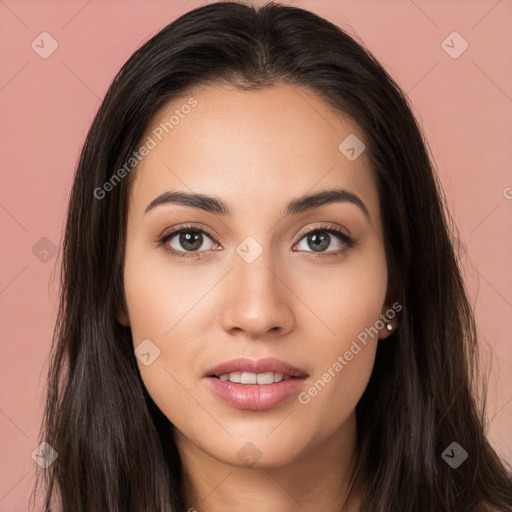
(187, 241)
(323, 237)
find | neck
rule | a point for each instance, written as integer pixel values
(317, 479)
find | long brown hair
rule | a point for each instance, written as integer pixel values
(115, 450)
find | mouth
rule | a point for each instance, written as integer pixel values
(253, 378)
(255, 384)
(243, 370)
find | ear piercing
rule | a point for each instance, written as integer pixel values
(384, 317)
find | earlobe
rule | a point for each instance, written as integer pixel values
(389, 324)
(122, 317)
(121, 309)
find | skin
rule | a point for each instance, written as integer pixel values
(256, 150)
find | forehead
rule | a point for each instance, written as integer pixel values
(255, 149)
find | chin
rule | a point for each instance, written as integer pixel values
(256, 451)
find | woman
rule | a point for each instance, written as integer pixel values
(261, 303)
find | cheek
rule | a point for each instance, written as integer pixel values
(349, 303)
(344, 367)
(344, 300)
(161, 300)
(162, 324)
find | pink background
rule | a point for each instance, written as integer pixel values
(463, 104)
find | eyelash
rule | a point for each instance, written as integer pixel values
(347, 240)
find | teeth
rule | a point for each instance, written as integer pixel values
(265, 378)
(254, 378)
(235, 377)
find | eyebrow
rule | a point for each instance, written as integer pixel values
(301, 204)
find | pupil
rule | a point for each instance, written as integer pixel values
(321, 241)
(193, 238)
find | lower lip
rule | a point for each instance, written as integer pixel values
(255, 397)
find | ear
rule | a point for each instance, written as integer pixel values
(389, 319)
(122, 315)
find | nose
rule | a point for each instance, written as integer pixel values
(259, 301)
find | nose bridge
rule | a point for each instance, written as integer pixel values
(258, 300)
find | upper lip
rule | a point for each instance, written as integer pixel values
(243, 364)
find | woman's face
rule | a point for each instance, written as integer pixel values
(254, 284)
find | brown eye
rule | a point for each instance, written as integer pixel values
(319, 240)
(190, 240)
(186, 241)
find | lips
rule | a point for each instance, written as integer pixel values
(245, 390)
(265, 365)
